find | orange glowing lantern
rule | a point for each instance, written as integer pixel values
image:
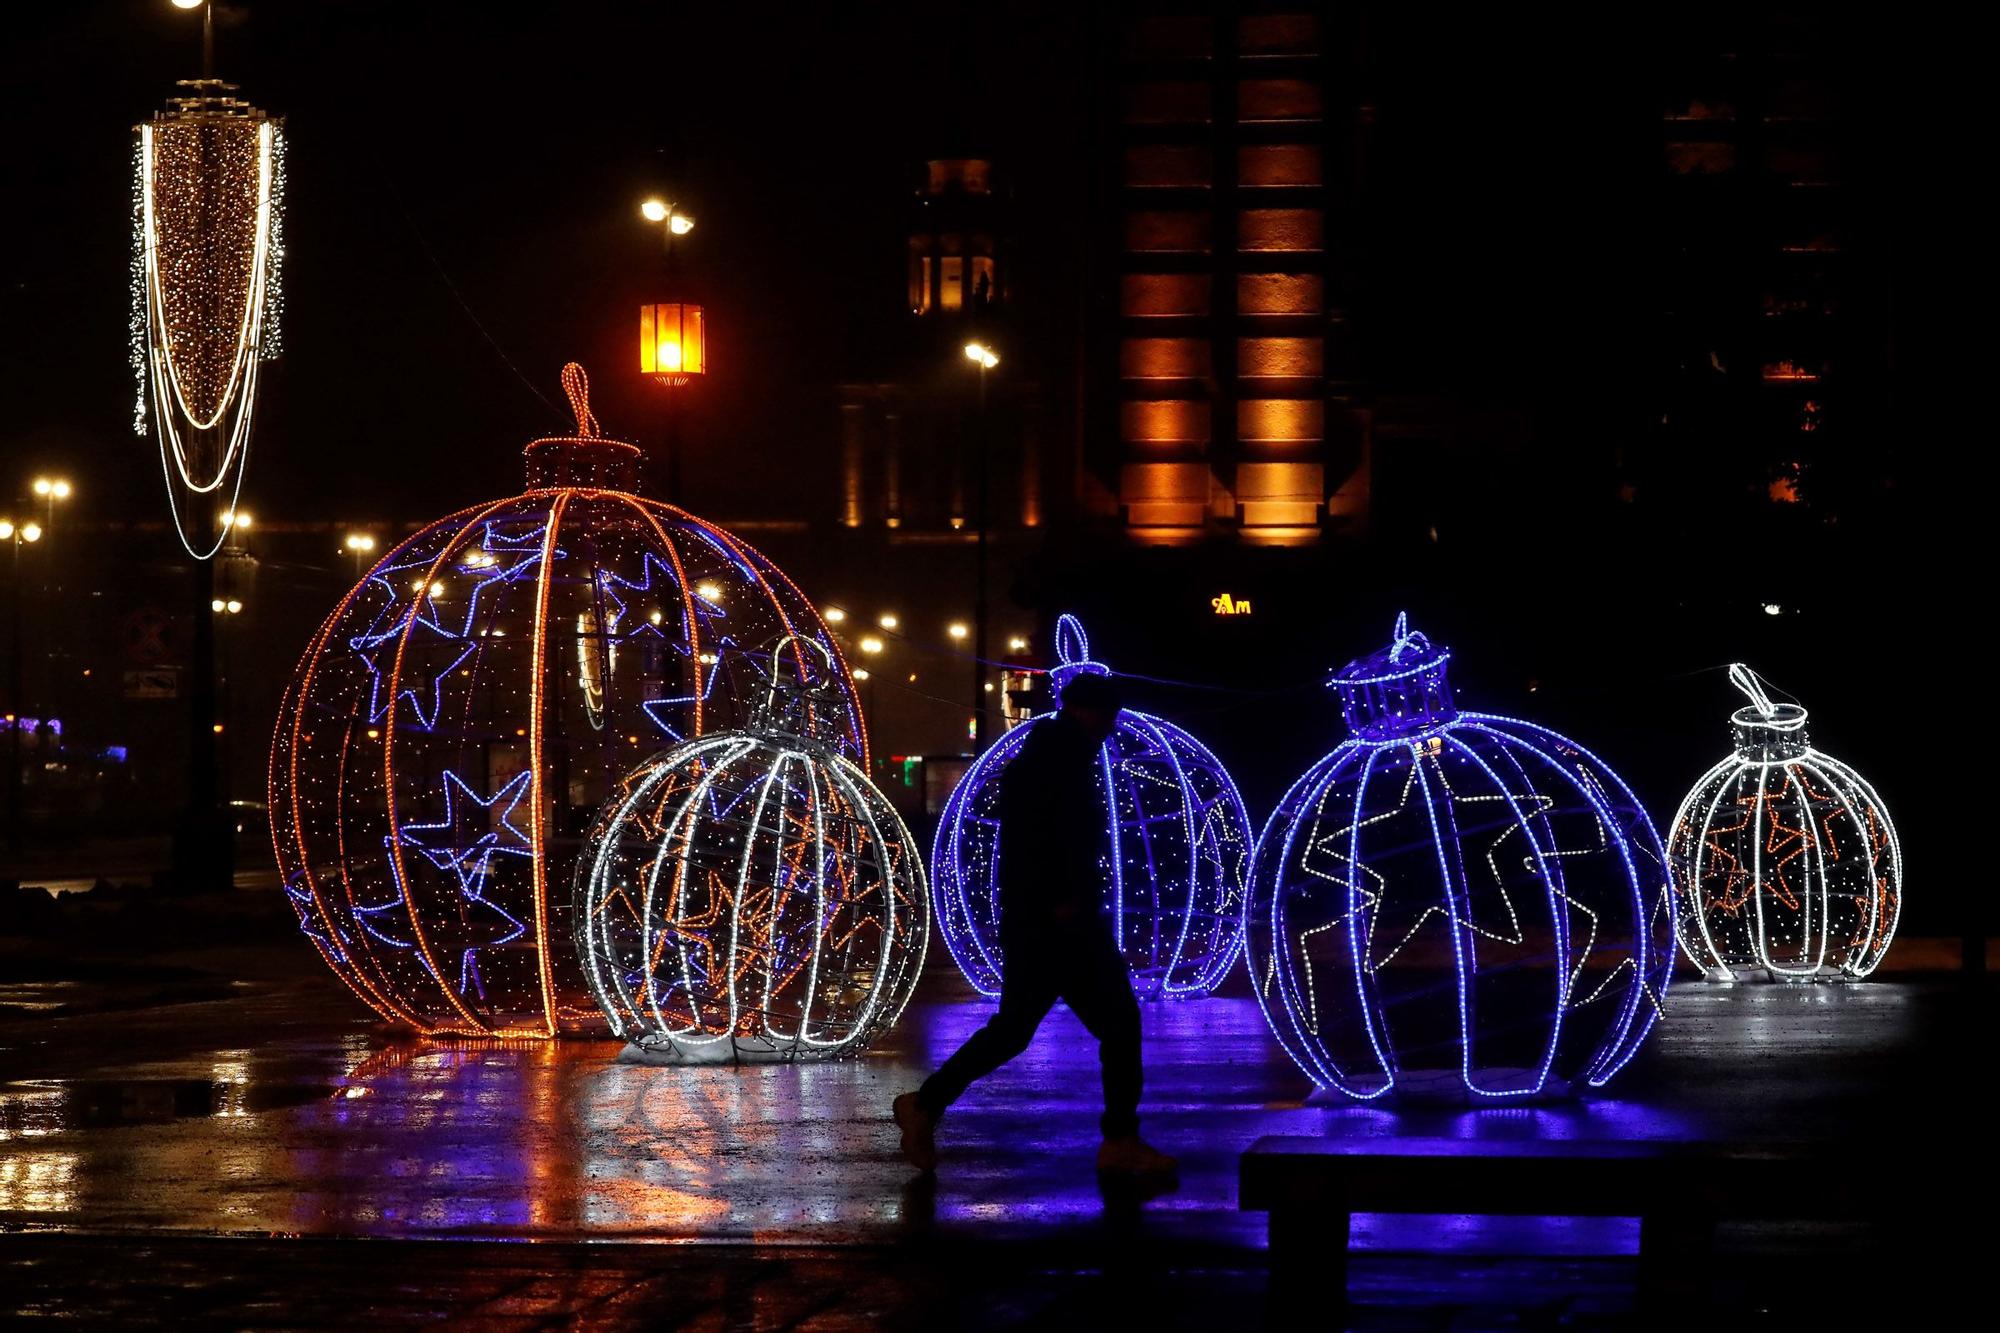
(672, 348)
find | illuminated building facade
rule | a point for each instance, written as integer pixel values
(910, 427)
(1231, 163)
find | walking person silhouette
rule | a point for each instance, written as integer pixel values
(1054, 942)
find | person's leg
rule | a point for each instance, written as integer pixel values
(1027, 993)
(1098, 987)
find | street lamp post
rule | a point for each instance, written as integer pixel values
(204, 844)
(985, 358)
(51, 491)
(15, 537)
(222, 732)
(872, 647)
(207, 9)
(673, 341)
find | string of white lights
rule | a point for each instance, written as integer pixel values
(198, 381)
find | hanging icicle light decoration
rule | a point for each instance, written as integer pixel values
(460, 716)
(1456, 902)
(751, 895)
(208, 247)
(1173, 858)
(1784, 858)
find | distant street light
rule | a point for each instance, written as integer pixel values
(958, 630)
(51, 490)
(360, 545)
(656, 209)
(871, 645)
(887, 620)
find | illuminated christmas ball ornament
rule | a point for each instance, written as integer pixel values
(1783, 858)
(1173, 861)
(458, 719)
(1456, 903)
(750, 895)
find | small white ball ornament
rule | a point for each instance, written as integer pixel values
(750, 895)
(1783, 858)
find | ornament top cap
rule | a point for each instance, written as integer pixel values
(1073, 654)
(589, 458)
(803, 705)
(1765, 730)
(1398, 690)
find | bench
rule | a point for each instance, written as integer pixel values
(1678, 1190)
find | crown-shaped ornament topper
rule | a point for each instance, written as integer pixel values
(1073, 655)
(589, 459)
(1766, 730)
(1399, 690)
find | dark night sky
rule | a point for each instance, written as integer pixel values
(498, 150)
(445, 146)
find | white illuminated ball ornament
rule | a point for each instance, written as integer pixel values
(1456, 903)
(751, 895)
(1172, 860)
(1784, 858)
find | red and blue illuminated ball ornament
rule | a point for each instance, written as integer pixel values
(455, 723)
(1173, 859)
(1456, 902)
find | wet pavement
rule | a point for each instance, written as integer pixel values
(204, 1120)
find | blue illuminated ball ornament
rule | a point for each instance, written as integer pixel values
(1784, 858)
(1173, 861)
(1456, 902)
(750, 895)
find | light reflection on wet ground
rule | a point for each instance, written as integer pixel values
(328, 1127)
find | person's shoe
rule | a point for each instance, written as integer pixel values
(1133, 1156)
(919, 1145)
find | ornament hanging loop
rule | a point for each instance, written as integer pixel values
(805, 702)
(1073, 654)
(1752, 686)
(1407, 640)
(576, 385)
